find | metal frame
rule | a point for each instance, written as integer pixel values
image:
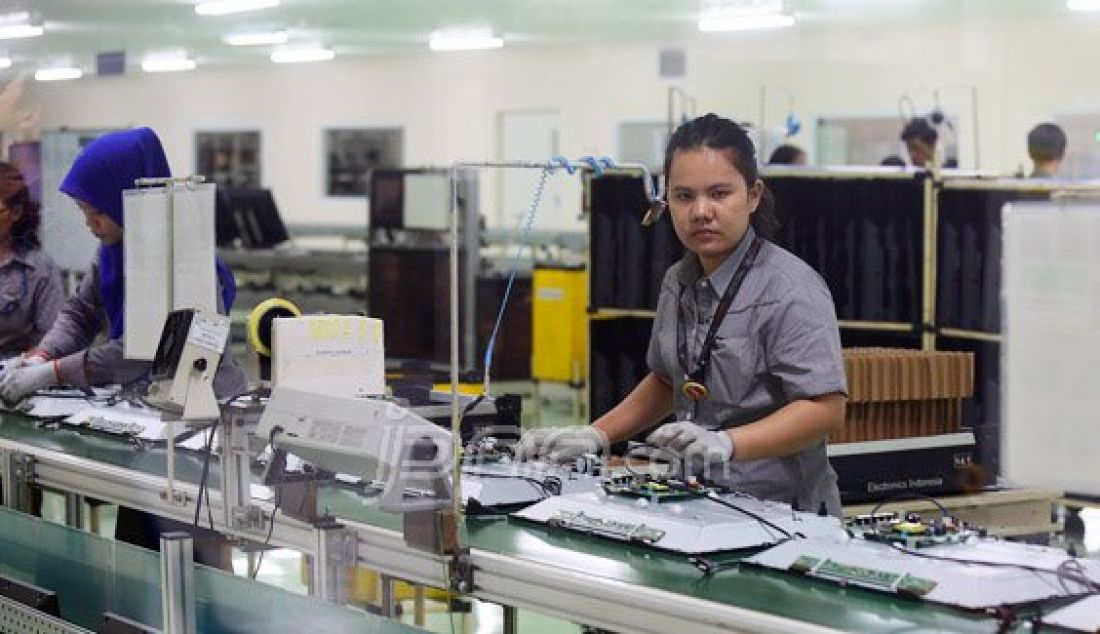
(82, 476)
(568, 594)
(16, 617)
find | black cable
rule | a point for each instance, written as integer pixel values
(1093, 586)
(786, 534)
(202, 479)
(911, 496)
(270, 531)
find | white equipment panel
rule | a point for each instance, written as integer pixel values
(1051, 342)
(882, 567)
(338, 355)
(168, 237)
(1084, 615)
(696, 526)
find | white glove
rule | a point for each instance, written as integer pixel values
(694, 443)
(20, 382)
(560, 444)
(20, 361)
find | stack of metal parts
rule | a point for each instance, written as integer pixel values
(901, 393)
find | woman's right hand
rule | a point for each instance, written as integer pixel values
(560, 444)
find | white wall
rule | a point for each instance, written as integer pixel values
(1025, 72)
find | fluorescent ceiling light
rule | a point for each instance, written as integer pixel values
(461, 39)
(58, 74)
(292, 55)
(721, 22)
(257, 39)
(1083, 5)
(5, 62)
(222, 7)
(167, 64)
(15, 31)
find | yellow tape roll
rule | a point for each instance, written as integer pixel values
(259, 322)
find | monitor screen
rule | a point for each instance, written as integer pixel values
(248, 217)
(387, 205)
(411, 199)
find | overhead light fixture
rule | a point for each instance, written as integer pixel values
(294, 55)
(17, 31)
(743, 15)
(19, 25)
(1083, 5)
(5, 62)
(464, 39)
(223, 7)
(719, 22)
(167, 63)
(257, 39)
(58, 74)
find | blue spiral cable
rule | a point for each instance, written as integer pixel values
(526, 223)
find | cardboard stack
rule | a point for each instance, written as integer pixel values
(901, 393)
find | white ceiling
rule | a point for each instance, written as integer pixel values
(78, 29)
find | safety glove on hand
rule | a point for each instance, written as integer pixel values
(560, 444)
(19, 383)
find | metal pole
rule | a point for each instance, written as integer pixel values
(388, 604)
(511, 624)
(74, 505)
(177, 583)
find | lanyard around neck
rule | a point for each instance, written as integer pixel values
(696, 376)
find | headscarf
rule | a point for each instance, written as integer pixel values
(101, 172)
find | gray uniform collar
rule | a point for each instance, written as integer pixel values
(692, 270)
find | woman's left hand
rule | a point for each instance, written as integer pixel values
(693, 441)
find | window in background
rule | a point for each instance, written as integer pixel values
(27, 158)
(866, 140)
(229, 158)
(352, 154)
(643, 142)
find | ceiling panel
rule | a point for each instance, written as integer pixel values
(78, 29)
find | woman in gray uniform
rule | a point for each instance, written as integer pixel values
(745, 351)
(71, 352)
(30, 284)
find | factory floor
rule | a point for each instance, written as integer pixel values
(557, 405)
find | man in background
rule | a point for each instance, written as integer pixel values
(920, 141)
(1046, 145)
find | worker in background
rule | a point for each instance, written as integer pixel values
(787, 154)
(68, 355)
(102, 171)
(920, 141)
(745, 350)
(1046, 145)
(31, 295)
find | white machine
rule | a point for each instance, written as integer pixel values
(1051, 340)
(187, 357)
(373, 439)
(169, 256)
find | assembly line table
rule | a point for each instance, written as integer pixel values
(585, 579)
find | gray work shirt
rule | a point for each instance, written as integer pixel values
(83, 362)
(778, 343)
(30, 299)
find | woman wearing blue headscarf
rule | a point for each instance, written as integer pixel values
(67, 354)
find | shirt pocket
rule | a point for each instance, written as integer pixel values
(735, 364)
